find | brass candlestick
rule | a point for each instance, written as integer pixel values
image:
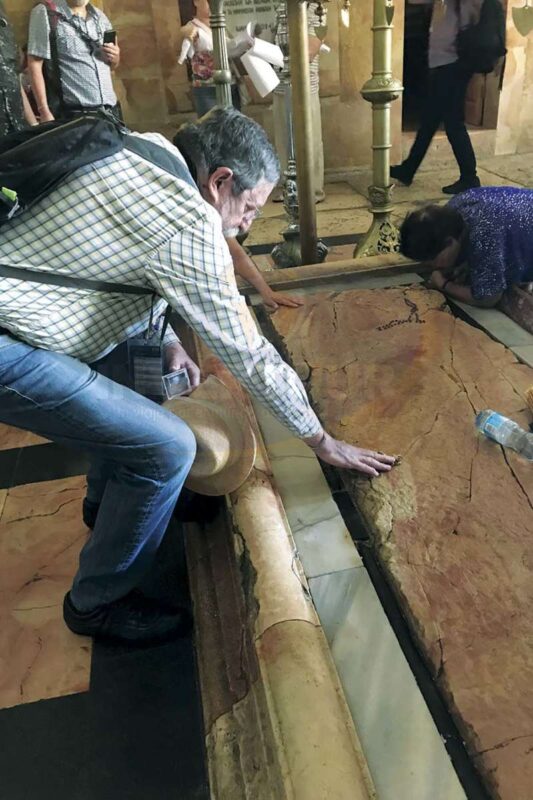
(222, 73)
(381, 90)
(289, 253)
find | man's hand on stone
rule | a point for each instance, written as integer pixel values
(176, 358)
(346, 456)
(111, 54)
(274, 300)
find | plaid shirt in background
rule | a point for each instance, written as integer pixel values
(85, 77)
(125, 220)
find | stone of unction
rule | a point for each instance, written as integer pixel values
(452, 525)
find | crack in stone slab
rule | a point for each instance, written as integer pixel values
(30, 667)
(42, 516)
(503, 744)
(515, 476)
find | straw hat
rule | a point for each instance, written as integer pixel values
(225, 440)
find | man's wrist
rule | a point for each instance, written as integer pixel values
(314, 442)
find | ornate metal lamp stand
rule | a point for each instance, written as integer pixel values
(381, 90)
(289, 252)
(222, 74)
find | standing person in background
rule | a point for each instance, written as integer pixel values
(445, 102)
(15, 111)
(69, 62)
(280, 134)
(201, 62)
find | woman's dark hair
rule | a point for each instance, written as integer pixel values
(426, 232)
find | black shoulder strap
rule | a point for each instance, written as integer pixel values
(54, 74)
(54, 279)
(160, 156)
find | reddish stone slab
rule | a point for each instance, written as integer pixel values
(392, 369)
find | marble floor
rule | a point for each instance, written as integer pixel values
(80, 721)
(344, 213)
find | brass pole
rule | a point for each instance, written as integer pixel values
(381, 90)
(222, 73)
(303, 127)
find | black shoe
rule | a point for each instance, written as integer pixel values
(462, 185)
(192, 507)
(133, 619)
(399, 173)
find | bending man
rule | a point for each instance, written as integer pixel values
(123, 219)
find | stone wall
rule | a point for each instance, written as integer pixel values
(154, 90)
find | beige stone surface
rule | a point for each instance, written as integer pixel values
(280, 588)
(154, 90)
(41, 534)
(11, 438)
(273, 703)
(453, 524)
(305, 698)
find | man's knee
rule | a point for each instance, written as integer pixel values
(177, 452)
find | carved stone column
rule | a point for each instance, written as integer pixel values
(381, 90)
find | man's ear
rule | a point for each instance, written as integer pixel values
(219, 185)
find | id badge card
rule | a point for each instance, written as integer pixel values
(145, 360)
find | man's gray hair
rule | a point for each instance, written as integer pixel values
(226, 138)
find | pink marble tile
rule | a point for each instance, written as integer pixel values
(41, 534)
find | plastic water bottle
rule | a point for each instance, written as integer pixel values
(505, 432)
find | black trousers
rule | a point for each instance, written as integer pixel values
(445, 103)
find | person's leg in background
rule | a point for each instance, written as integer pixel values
(280, 139)
(150, 451)
(454, 125)
(318, 147)
(204, 99)
(432, 115)
(236, 96)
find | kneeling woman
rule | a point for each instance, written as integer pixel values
(479, 244)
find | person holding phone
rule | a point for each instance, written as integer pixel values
(72, 50)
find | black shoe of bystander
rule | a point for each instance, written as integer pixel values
(133, 619)
(462, 185)
(401, 174)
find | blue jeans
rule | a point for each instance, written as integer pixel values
(141, 456)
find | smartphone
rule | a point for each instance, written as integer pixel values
(110, 37)
(176, 383)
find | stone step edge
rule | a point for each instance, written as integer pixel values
(276, 720)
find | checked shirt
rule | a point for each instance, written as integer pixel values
(125, 220)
